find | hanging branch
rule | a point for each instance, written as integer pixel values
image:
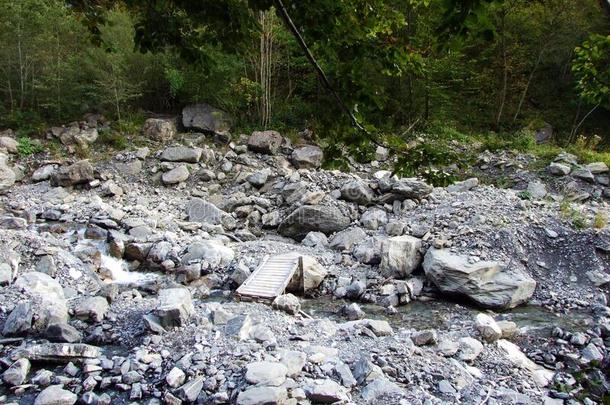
(297, 35)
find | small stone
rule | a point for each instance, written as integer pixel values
(425, 337)
(17, 373)
(175, 176)
(266, 373)
(488, 328)
(175, 377)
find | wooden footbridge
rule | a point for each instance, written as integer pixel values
(271, 277)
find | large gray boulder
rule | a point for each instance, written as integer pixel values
(267, 142)
(408, 188)
(174, 307)
(400, 256)
(307, 157)
(79, 173)
(489, 284)
(158, 129)
(317, 218)
(262, 395)
(7, 175)
(309, 277)
(48, 301)
(199, 210)
(204, 117)
(176, 175)
(357, 191)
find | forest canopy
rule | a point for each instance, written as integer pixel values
(396, 66)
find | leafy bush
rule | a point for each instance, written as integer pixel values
(27, 146)
(113, 139)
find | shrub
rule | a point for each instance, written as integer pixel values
(113, 139)
(27, 146)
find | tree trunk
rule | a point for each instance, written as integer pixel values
(505, 75)
(297, 35)
(527, 85)
(577, 127)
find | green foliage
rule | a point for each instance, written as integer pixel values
(27, 146)
(113, 139)
(600, 221)
(525, 195)
(591, 67)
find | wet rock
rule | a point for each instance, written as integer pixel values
(176, 175)
(287, 303)
(346, 239)
(307, 157)
(204, 117)
(488, 328)
(325, 392)
(378, 327)
(63, 333)
(174, 307)
(358, 192)
(266, 373)
(137, 251)
(400, 256)
(17, 373)
(162, 130)
(93, 309)
(239, 327)
(55, 395)
(262, 396)
(79, 173)
(489, 284)
(309, 218)
(267, 142)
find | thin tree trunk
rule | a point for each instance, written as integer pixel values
(505, 78)
(570, 140)
(527, 85)
(297, 35)
(575, 130)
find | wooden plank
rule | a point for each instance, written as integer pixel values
(271, 277)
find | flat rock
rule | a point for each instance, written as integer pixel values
(262, 396)
(55, 395)
(181, 154)
(78, 173)
(266, 373)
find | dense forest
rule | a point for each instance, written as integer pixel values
(399, 66)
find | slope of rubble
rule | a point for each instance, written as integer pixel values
(118, 279)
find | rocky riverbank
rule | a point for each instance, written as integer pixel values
(118, 278)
